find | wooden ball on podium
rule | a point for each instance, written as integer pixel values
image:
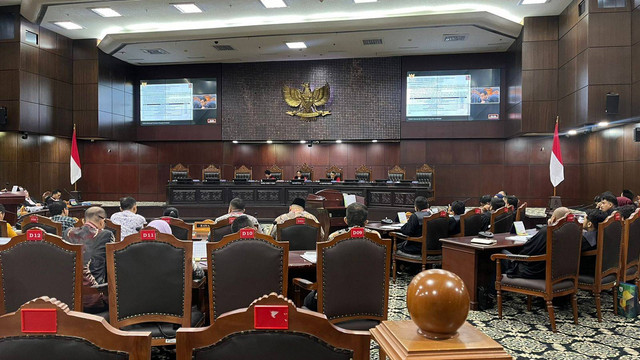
(438, 303)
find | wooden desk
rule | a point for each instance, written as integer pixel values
(472, 263)
(383, 229)
(11, 202)
(400, 340)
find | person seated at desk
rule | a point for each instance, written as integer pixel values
(130, 222)
(626, 210)
(60, 213)
(56, 195)
(590, 239)
(296, 210)
(623, 201)
(485, 203)
(496, 203)
(628, 194)
(455, 210)
(356, 217)
(334, 177)
(93, 239)
(413, 227)
(29, 204)
(513, 201)
(537, 245)
(608, 202)
(171, 212)
(299, 176)
(267, 175)
(241, 222)
(236, 209)
(10, 232)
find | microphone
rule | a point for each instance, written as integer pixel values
(67, 191)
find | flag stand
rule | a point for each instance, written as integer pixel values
(554, 201)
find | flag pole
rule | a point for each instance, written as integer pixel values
(75, 184)
(557, 120)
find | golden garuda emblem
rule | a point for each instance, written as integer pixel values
(306, 101)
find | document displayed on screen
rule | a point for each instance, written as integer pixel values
(439, 95)
(164, 102)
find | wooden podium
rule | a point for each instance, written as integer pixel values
(11, 202)
(400, 340)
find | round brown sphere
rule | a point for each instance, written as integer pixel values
(438, 303)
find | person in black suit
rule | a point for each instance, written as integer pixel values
(608, 202)
(54, 197)
(496, 203)
(455, 210)
(590, 239)
(485, 203)
(413, 227)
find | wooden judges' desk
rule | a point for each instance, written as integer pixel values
(472, 263)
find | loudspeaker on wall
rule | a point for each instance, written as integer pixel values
(611, 107)
(3, 115)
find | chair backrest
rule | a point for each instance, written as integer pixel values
(520, 213)
(502, 220)
(242, 266)
(114, 228)
(425, 176)
(471, 222)
(563, 251)
(45, 328)
(180, 229)
(46, 224)
(242, 172)
(179, 172)
(306, 171)
(211, 172)
(276, 172)
(301, 233)
(396, 173)
(3, 229)
(38, 264)
(336, 170)
(149, 279)
(363, 173)
(307, 335)
(631, 248)
(220, 229)
(609, 248)
(353, 276)
(434, 228)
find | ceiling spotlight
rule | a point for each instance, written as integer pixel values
(339, 141)
(364, 1)
(270, 4)
(603, 123)
(303, 141)
(297, 45)
(187, 8)
(235, 141)
(106, 12)
(374, 141)
(572, 132)
(269, 141)
(68, 25)
(533, 2)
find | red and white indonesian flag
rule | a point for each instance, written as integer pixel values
(556, 169)
(76, 171)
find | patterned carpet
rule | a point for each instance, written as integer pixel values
(527, 335)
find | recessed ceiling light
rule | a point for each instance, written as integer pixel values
(364, 1)
(303, 141)
(339, 141)
(296, 45)
(106, 12)
(68, 25)
(235, 141)
(603, 123)
(374, 141)
(270, 4)
(572, 132)
(269, 141)
(533, 2)
(187, 8)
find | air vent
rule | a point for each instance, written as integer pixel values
(407, 47)
(367, 42)
(454, 37)
(223, 47)
(195, 57)
(157, 51)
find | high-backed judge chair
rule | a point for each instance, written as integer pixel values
(607, 261)
(3, 229)
(150, 284)
(180, 229)
(220, 229)
(336, 170)
(396, 173)
(45, 328)
(243, 172)
(301, 233)
(502, 220)
(306, 335)
(520, 213)
(276, 172)
(434, 228)
(425, 176)
(39, 264)
(631, 250)
(471, 222)
(46, 224)
(306, 171)
(211, 173)
(363, 173)
(242, 266)
(116, 229)
(179, 172)
(353, 279)
(561, 258)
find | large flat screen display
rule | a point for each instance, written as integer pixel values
(178, 102)
(453, 95)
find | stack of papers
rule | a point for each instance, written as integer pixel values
(199, 250)
(483, 241)
(310, 256)
(4, 240)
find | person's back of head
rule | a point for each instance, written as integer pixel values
(94, 214)
(558, 214)
(56, 208)
(628, 194)
(171, 212)
(127, 203)
(421, 203)
(485, 199)
(512, 200)
(595, 217)
(496, 203)
(236, 204)
(357, 215)
(241, 222)
(457, 207)
(626, 210)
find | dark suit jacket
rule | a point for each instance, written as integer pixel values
(454, 224)
(537, 245)
(413, 228)
(486, 220)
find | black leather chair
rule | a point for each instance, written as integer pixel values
(308, 335)
(72, 335)
(396, 173)
(561, 259)
(424, 176)
(46, 267)
(180, 229)
(502, 220)
(3, 229)
(242, 267)
(150, 280)
(46, 224)
(220, 229)
(301, 233)
(243, 172)
(631, 250)
(363, 173)
(116, 229)
(521, 212)
(471, 222)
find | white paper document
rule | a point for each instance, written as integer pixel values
(310, 256)
(402, 217)
(199, 250)
(349, 199)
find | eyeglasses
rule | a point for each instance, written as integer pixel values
(101, 217)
